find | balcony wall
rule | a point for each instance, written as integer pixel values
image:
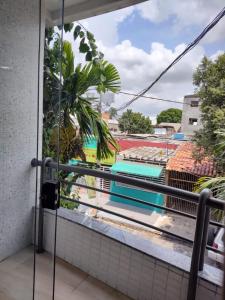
(19, 38)
(136, 267)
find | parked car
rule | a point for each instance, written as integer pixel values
(216, 240)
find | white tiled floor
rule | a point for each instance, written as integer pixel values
(71, 283)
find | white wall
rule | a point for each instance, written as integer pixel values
(18, 118)
(190, 112)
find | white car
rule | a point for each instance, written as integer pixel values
(217, 242)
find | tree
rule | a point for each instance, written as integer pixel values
(134, 122)
(217, 186)
(171, 115)
(112, 112)
(209, 80)
(72, 87)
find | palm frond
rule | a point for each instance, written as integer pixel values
(68, 60)
(91, 124)
(104, 76)
(111, 82)
(217, 186)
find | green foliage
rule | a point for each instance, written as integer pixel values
(112, 112)
(133, 122)
(83, 47)
(75, 82)
(71, 143)
(87, 44)
(217, 186)
(66, 191)
(68, 204)
(209, 79)
(68, 27)
(171, 115)
(68, 60)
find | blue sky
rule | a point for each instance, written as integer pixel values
(142, 40)
(142, 33)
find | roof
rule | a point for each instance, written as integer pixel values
(125, 144)
(176, 126)
(105, 116)
(113, 121)
(183, 161)
(137, 169)
(148, 154)
(82, 9)
(191, 96)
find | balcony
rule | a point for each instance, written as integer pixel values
(71, 282)
(94, 259)
(137, 267)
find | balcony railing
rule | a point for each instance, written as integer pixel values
(204, 200)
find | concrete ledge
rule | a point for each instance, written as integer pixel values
(111, 255)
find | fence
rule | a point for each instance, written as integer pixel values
(204, 201)
(184, 181)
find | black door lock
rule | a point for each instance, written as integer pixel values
(50, 194)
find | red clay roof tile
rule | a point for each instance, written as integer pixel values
(183, 161)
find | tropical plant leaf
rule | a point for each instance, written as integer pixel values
(76, 31)
(68, 27)
(90, 36)
(88, 56)
(84, 47)
(71, 144)
(73, 88)
(217, 186)
(68, 60)
(81, 34)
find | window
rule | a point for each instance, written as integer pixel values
(194, 103)
(193, 121)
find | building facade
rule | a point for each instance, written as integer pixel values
(167, 128)
(191, 115)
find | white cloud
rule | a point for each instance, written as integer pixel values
(215, 55)
(216, 34)
(186, 13)
(105, 26)
(138, 69)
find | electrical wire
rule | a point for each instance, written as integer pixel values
(150, 97)
(81, 25)
(58, 149)
(219, 16)
(37, 145)
(132, 94)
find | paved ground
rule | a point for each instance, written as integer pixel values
(16, 277)
(171, 222)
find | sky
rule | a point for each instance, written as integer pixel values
(142, 40)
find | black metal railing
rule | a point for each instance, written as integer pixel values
(204, 200)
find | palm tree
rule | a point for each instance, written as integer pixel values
(112, 112)
(73, 86)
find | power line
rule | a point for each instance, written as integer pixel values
(81, 25)
(132, 94)
(150, 97)
(147, 97)
(219, 16)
